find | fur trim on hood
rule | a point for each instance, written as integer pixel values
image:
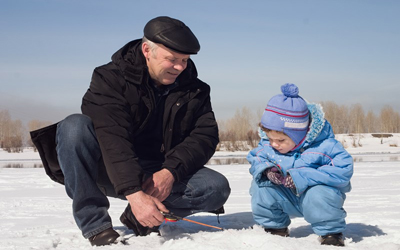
(317, 121)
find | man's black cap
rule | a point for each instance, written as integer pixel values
(173, 34)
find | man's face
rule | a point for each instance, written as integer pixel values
(280, 142)
(164, 64)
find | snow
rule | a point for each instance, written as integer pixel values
(35, 212)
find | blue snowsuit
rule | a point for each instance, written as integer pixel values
(321, 170)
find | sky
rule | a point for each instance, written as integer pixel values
(345, 51)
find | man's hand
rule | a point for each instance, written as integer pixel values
(159, 185)
(146, 209)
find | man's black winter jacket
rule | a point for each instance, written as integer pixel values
(120, 102)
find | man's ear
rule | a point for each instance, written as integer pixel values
(146, 50)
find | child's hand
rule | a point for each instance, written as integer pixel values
(288, 182)
(274, 175)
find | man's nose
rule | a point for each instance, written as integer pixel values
(179, 66)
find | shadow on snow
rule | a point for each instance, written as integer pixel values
(244, 220)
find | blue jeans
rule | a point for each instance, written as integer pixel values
(87, 183)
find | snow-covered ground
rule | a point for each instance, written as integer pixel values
(35, 212)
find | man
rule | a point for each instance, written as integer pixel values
(146, 131)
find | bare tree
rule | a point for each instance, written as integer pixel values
(238, 130)
(387, 119)
(5, 119)
(396, 121)
(252, 138)
(371, 122)
(338, 116)
(329, 110)
(241, 123)
(343, 119)
(14, 136)
(356, 119)
(331, 114)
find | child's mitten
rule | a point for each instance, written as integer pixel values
(274, 175)
(288, 182)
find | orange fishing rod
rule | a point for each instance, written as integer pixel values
(173, 218)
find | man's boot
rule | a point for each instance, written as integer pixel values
(107, 237)
(128, 219)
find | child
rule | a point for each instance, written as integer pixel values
(299, 169)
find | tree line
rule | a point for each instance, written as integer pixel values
(239, 132)
(14, 135)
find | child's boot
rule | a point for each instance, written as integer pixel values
(333, 239)
(284, 232)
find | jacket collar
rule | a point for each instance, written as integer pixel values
(131, 62)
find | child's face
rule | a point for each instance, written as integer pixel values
(280, 142)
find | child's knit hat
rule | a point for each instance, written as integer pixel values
(287, 113)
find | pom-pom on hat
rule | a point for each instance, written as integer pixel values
(173, 34)
(288, 113)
